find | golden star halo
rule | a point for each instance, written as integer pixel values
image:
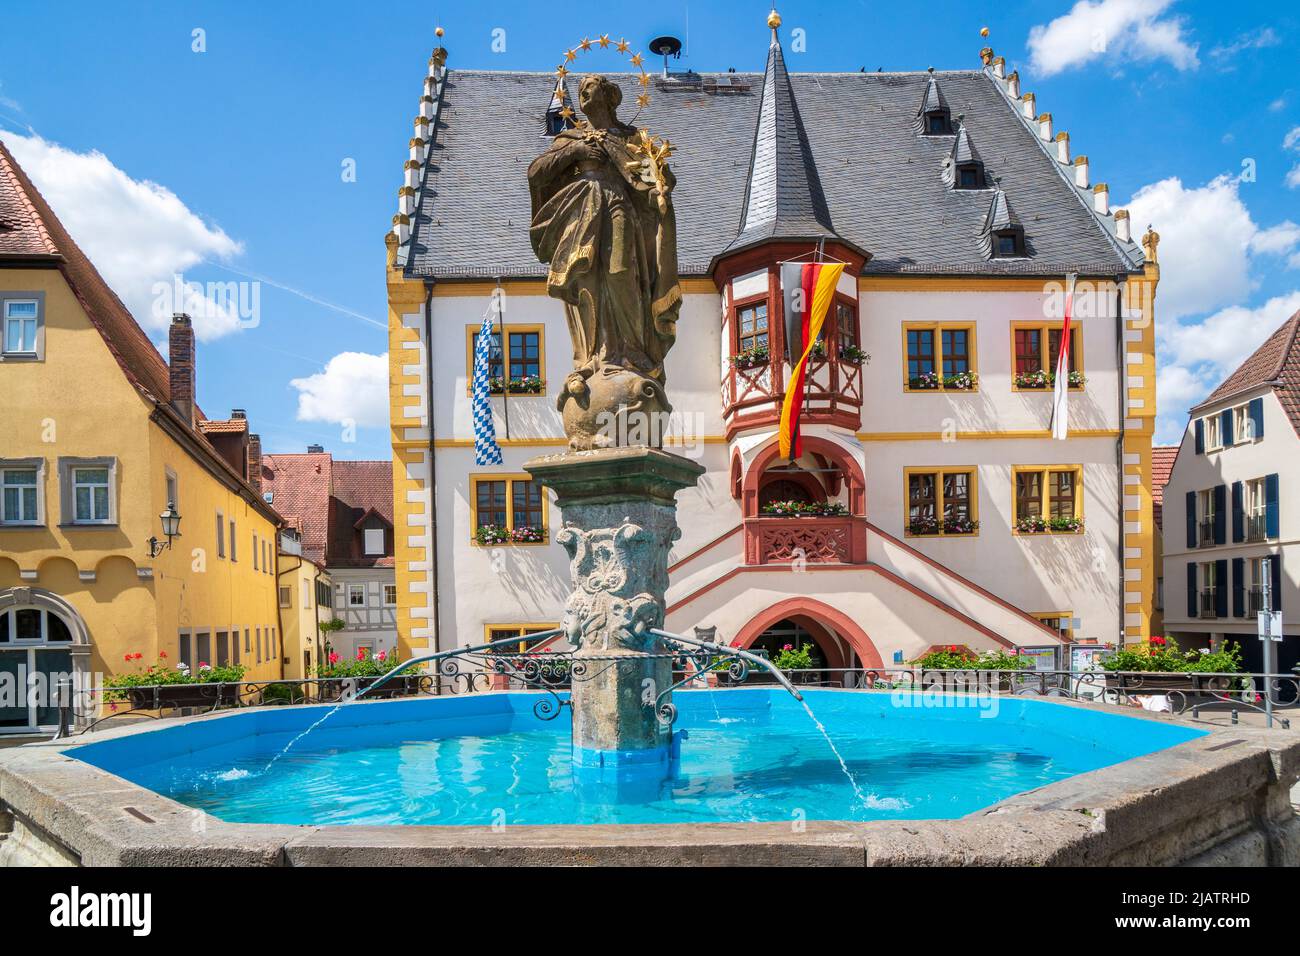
(603, 41)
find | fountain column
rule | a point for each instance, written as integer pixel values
(620, 520)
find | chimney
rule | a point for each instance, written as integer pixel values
(180, 364)
(1045, 127)
(238, 415)
(1028, 105)
(1000, 67)
(315, 449)
(1063, 147)
(1013, 84)
(1101, 199)
(1081, 171)
(255, 462)
(1122, 228)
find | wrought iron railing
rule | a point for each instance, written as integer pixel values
(697, 664)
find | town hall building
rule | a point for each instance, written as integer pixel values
(931, 505)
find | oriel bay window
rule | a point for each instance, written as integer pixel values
(1034, 352)
(517, 363)
(941, 502)
(508, 509)
(842, 331)
(939, 357)
(1048, 499)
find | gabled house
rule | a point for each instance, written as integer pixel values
(1231, 502)
(340, 518)
(102, 448)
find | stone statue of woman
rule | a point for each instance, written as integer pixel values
(604, 223)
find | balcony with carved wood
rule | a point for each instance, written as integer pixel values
(752, 397)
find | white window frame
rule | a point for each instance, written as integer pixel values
(221, 534)
(306, 593)
(234, 540)
(352, 589)
(366, 539)
(68, 484)
(286, 595)
(1213, 440)
(393, 602)
(36, 465)
(37, 352)
(255, 567)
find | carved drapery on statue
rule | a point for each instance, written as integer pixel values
(602, 219)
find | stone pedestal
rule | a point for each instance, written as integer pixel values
(620, 520)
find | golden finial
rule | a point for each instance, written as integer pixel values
(984, 31)
(438, 31)
(774, 19)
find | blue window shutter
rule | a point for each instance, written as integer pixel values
(1256, 412)
(1226, 437)
(1220, 514)
(1272, 520)
(1238, 587)
(1277, 580)
(1193, 609)
(1191, 519)
(1221, 588)
(1238, 512)
(1199, 426)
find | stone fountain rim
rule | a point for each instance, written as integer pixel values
(1151, 809)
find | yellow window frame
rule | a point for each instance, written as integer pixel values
(504, 331)
(938, 328)
(939, 471)
(1045, 359)
(1045, 498)
(523, 630)
(510, 480)
(1066, 631)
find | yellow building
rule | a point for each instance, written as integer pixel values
(306, 594)
(101, 436)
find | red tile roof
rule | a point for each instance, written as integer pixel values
(300, 490)
(232, 426)
(1162, 465)
(1275, 363)
(327, 500)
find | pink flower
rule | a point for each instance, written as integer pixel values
(334, 658)
(162, 655)
(361, 654)
(127, 658)
(383, 656)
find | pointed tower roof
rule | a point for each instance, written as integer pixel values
(1000, 216)
(784, 197)
(963, 148)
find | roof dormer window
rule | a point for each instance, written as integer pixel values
(937, 123)
(1008, 244)
(969, 176)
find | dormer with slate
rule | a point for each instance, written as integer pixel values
(964, 168)
(1003, 236)
(934, 118)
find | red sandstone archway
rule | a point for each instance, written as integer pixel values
(815, 617)
(817, 446)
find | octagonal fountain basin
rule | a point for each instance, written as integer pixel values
(744, 755)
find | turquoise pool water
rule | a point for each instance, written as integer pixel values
(747, 755)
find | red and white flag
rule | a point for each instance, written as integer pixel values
(1061, 396)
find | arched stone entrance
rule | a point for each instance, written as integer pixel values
(842, 642)
(42, 639)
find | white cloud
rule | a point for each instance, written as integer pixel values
(1292, 142)
(353, 389)
(1111, 28)
(1205, 243)
(136, 232)
(1256, 40)
(1195, 357)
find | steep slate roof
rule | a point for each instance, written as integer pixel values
(882, 181)
(783, 195)
(38, 228)
(1275, 363)
(1162, 466)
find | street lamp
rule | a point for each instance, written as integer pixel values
(171, 523)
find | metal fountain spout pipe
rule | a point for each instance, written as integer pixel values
(456, 652)
(727, 651)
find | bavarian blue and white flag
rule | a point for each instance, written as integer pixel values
(486, 449)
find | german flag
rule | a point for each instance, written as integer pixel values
(808, 289)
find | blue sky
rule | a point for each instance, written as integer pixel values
(227, 164)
